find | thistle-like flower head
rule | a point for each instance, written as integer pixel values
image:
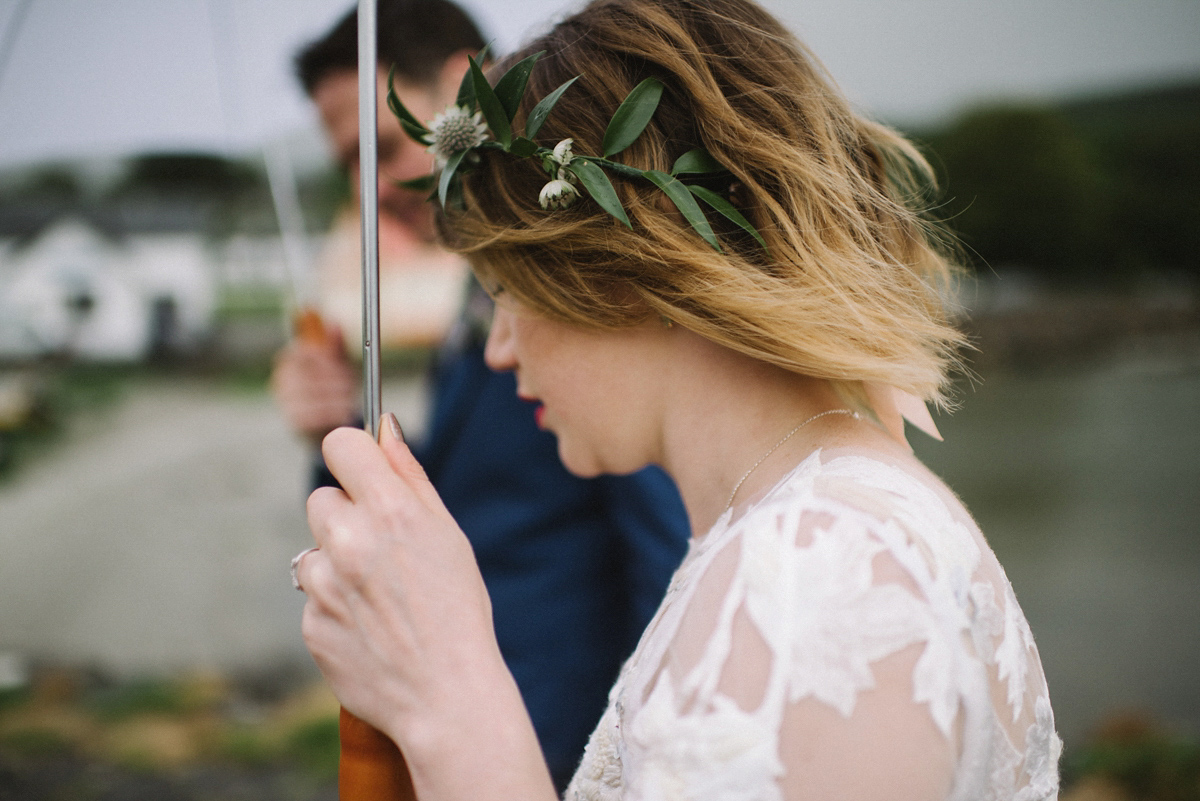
(453, 130)
(558, 194)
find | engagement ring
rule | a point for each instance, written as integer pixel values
(296, 562)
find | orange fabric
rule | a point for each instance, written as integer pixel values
(371, 767)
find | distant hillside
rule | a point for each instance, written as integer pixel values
(1122, 113)
(1099, 188)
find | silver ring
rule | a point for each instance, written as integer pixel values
(296, 563)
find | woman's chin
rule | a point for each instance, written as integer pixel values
(590, 465)
(580, 463)
(580, 468)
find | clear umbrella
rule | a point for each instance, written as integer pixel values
(210, 130)
(79, 78)
(80, 81)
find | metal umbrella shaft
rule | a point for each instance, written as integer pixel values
(368, 139)
(371, 767)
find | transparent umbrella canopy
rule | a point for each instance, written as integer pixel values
(81, 80)
(211, 119)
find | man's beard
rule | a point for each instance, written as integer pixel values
(412, 211)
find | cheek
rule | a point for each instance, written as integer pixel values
(589, 395)
(413, 157)
(405, 162)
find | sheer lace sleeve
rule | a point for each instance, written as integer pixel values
(850, 636)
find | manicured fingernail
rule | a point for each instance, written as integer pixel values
(393, 425)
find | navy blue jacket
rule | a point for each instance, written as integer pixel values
(575, 567)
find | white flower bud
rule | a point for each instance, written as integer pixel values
(557, 194)
(562, 152)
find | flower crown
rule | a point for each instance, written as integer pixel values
(481, 119)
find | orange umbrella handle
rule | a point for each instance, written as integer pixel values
(371, 767)
(308, 326)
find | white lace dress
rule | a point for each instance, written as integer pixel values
(851, 635)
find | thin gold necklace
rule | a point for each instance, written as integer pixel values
(776, 447)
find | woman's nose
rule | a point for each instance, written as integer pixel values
(498, 353)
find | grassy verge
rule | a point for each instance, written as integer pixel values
(189, 728)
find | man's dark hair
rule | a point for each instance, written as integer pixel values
(415, 35)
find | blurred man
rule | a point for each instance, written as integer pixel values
(575, 568)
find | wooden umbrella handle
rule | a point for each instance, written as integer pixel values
(371, 766)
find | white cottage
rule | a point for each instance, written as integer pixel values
(75, 291)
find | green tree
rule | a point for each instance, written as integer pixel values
(1024, 187)
(1157, 174)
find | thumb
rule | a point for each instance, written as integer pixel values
(400, 457)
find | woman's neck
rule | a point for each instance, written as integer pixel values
(725, 414)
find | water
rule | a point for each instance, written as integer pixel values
(1087, 484)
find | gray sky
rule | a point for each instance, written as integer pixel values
(89, 77)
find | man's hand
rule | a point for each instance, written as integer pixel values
(315, 384)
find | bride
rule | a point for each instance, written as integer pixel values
(702, 259)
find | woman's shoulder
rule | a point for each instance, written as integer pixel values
(858, 488)
(858, 586)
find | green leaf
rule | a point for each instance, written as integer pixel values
(726, 208)
(411, 125)
(466, 88)
(543, 109)
(614, 166)
(425, 183)
(511, 86)
(687, 205)
(632, 116)
(491, 107)
(522, 147)
(599, 187)
(454, 193)
(696, 161)
(414, 133)
(448, 173)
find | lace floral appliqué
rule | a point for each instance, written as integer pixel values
(847, 562)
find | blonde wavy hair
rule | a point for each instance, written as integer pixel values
(850, 288)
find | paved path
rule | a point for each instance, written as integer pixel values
(157, 534)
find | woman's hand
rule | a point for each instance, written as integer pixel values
(400, 624)
(396, 603)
